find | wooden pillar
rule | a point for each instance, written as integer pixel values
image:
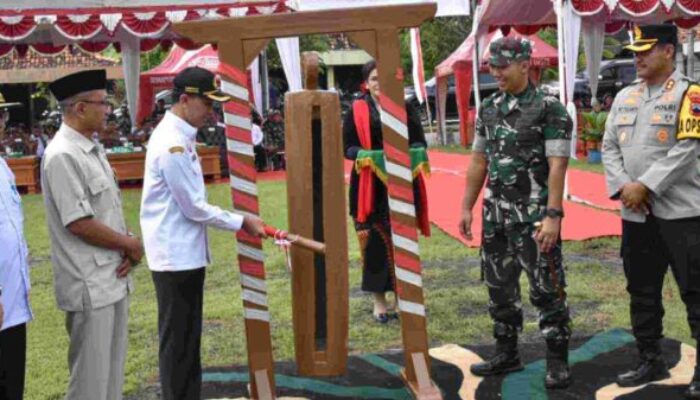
(316, 199)
(409, 281)
(244, 194)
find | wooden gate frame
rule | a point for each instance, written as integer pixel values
(376, 30)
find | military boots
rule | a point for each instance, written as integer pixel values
(651, 367)
(558, 373)
(505, 360)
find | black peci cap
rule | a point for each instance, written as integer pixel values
(79, 82)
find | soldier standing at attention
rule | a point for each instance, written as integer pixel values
(522, 145)
(650, 153)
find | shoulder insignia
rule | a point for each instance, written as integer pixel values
(689, 115)
(670, 84)
(176, 149)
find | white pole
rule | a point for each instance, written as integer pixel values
(475, 59)
(562, 71)
(560, 49)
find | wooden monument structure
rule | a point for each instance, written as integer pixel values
(376, 30)
(316, 203)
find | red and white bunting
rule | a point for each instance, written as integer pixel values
(16, 28)
(637, 8)
(79, 27)
(95, 25)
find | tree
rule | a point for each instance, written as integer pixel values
(612, 48)
(318, 43)
(439, 38)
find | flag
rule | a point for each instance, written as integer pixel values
(417, 61)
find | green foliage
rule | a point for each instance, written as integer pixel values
(149, 60)
(439, 38)
(611, 49)
(153, 58)
(594, 126)
(318, 43)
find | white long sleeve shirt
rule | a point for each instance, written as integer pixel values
(14, 264)
(174, 208)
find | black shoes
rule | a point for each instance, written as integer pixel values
(648, 370)
(558, 372)
(693, 391)
(501, 363)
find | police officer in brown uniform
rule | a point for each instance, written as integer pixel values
(650, 152)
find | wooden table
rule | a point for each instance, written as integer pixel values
(26, 170)
(130, 166)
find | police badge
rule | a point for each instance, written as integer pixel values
(694, 103)
(689, 115)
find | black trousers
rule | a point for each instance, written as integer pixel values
(180, 297)
(13, 356)
(648, 249)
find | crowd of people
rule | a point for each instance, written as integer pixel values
(519, 160)
(118, 135)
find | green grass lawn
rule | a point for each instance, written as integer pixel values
(456, 299)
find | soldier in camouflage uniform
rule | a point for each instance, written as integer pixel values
(522, 144)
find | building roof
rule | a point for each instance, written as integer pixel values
(28, 65)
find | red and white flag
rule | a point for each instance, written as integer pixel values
(417, 61)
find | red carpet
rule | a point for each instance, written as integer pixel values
(590, 188)
(446, 188)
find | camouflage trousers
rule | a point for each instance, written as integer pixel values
(505, 252)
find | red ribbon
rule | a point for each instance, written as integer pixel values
(365, 193)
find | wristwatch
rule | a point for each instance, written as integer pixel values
(554, 213)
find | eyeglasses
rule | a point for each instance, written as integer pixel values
(106, 102)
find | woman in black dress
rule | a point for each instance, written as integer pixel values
(373, 229)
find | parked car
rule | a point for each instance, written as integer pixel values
(614, 76)
(487, 85)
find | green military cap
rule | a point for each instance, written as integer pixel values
(646, 36)
(507, 50)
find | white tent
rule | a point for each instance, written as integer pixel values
(445, 7)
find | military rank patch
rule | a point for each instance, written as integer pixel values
(670, 84)
(176, 149)
(689, 116)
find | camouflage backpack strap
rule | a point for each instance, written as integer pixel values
(689, 114)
